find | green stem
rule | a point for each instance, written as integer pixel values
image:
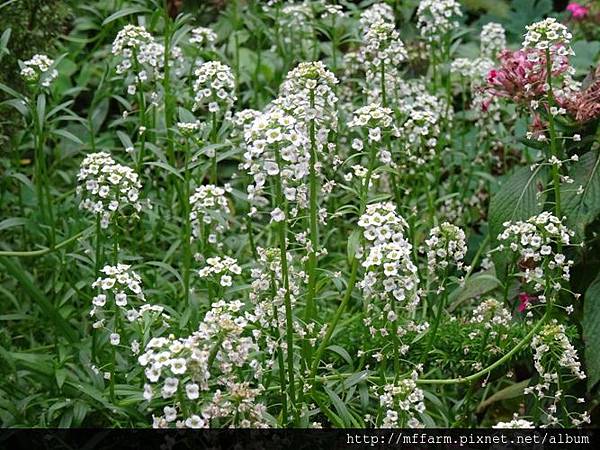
(313, 219)
(282, 235)
(555, 151)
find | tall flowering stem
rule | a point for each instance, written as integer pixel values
(282, 234)
(553, 139)
(313, 217)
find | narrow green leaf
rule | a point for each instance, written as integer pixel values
(67, 135)
(166, 167)
(125, 12)
(13, 222)
(24, 278)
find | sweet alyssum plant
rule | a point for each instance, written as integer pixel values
(321, 253)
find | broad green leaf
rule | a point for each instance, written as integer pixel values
(582, 208)
(520, 197)
(476, 285)
(591, 332)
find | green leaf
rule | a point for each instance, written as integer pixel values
(476, 285)
(125, 12)
(586, 53)
(24, 278)
(512, 391)
(353, 243)
(67, 135)
(340, 407)
(166, 167)
(591, 332)
(356, 378)
(41, 108)
(342, 352)
(13, 222)
(520, 197)
(582, 209)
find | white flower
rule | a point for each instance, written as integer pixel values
(192, 391)
(277, 215)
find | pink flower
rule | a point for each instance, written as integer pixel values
(522, 73)
(524, 299)
(578, 12)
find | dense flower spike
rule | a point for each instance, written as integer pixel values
(106, 187)
(277, 146)
(492, 40)
(221, 270)
(402, 403)
(535, 244)
(209, 212)
(446, 246)
(390, 272)
(214, 88)
(547, 34)
(378, 12)
(201, 373)
(437, 18)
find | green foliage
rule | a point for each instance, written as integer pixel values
(591, 332)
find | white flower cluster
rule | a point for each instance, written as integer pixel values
(220, 268)
(382, 52)
(422, 127)
(491, 314)
(388, 264)
(297, 17)
(492, 40)
(475, 70)
(547, 34)
(204, 37)
(277, 146)
(214, 86)
(307, 93)
(140, 54)
(189, 129)
(106, 187)
(121, 286)
(188, 369)
(378, 12)
(242, 121)
(402, 401)
(332, 12)
(436, 18)
(446, 245)
(379, 121)
(38, 69)
(550, 342)
(535, 243)
(515, 423)
(552, 351)
(209, 208)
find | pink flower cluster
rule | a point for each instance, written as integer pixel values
(578, 11)
(522, 75)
